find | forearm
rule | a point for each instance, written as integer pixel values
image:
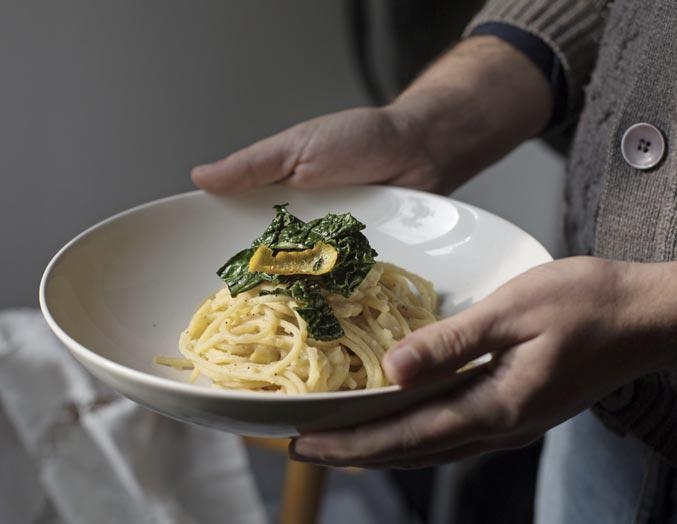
(474, 105)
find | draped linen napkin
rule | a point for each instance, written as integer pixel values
(74, 452)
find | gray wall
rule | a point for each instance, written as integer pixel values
(104, 105)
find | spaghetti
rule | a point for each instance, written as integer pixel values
(258, 341)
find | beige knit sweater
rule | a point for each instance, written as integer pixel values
(620, 59)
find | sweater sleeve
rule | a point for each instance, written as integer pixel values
(572, 28)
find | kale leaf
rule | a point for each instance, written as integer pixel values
(288, 233)
(313, 308)
(236, 275)
(356, 258)
(283, 225)
(333, 227)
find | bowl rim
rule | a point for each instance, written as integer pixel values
(146, 379)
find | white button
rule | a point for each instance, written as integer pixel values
(643, 146)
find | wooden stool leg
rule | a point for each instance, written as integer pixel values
(302, 493)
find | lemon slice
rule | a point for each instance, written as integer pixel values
(318, 260)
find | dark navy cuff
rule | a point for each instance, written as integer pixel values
(542, 56)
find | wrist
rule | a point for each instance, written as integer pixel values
(447, 123)
(474, 105)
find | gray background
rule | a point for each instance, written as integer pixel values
(104, 105)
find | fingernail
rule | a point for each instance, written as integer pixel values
(303, 448)
(294, 454)
(202, 170)
(406, 360)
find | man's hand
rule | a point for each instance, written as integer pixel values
(466, 111)
(358, 146)
(562, 336)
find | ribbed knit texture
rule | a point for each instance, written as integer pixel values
(625, 35)
(636, 207)
(613, 210)
(636, 80)
(571, 27)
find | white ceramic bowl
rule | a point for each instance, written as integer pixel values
(122, 291)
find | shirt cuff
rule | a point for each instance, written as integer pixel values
(572, 29)
(540, 54)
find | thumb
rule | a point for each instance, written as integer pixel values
(440, 348)
(265, 162)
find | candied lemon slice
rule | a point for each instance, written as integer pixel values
(318, 260)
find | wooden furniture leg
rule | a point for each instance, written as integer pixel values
(302, 493)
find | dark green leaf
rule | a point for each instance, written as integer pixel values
(356, 258)
(283, 220)
(288, 233)
(315, 310)
(333, 227)
(236, 275)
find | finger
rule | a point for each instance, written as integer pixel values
(445, 346)
(262, 163)
(426, 459)
(435, 426)
(306, 177)
(471, 449)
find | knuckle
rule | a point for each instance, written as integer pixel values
(357, 444)
(252, 171)
(507, 418)
(344, 448)
(410, 438)
(449, 344)
(293, 181)
(300, 178)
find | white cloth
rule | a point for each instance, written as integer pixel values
(74, 452)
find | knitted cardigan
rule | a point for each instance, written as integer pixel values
(620, 59)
